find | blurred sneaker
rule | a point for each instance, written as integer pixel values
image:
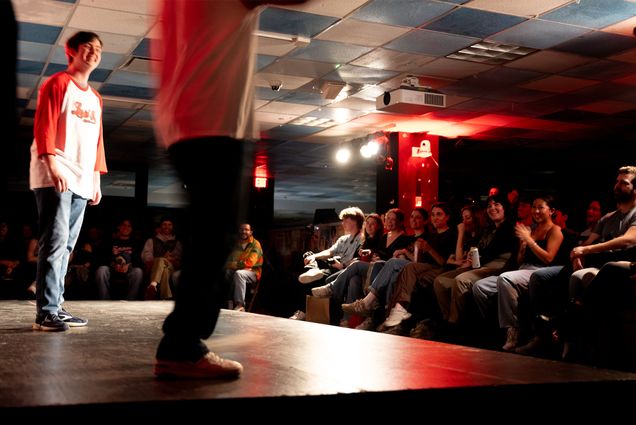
(310, 276)
(366, 325)
(207, 367)
(394, 330)
(322, 291)
(425, 329)
(298, 315)
(50, 323)
(360, 308)
(512, 337)
(396, 316)
(151, 292)
(69, 319)
(535, 347)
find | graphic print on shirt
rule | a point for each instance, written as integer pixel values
(87, 116)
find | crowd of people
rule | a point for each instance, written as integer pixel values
(516, 264)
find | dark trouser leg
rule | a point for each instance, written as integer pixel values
(608, 294)
(212, 171)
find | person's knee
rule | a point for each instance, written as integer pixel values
(462, 285)
(102, 273)
(478, 289)
(503, 283)
(136, 274)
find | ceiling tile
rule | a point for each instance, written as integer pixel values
(142, 49)
(273, 46)
(33, 51)
(625, 27)
(269, 94)
(535, 124)
(466, 87)
(558, 84)
(486, 105)
(126, 91)
(549, 61)
(600, 91)
(599, 44)
(602, 70)
(516, 94)
(290, 132)
(300, 67)
(344, 131)
(494, 120)
(592, 13)
(338, 8)
(132, 79)
(112, 21)
(355, 104)
(453, 69)
(362, 33)
(29, 67)
(538, 34)
(283, 21)
(627, 56)
(392, 12)
(339, 115)
(23, 92)
(380, 121)
(38, 33)
(431, 43)
(306, 97)
(330, 51)
(137, 6)
(290, 82)
(27, 80)
(473, 23)
(571, 115)
(287, 108)
(273, 117)
(360, 75)
(629, 80)
(48, 12)
(451, 114)
(500, 132)
(519, 8)
(607, 106)
(460, 130)
(392, 60)
(263, 60)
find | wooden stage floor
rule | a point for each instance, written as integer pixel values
(107, 367)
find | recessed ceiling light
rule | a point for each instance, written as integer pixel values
(491, 53)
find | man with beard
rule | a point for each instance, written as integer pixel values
(614, 233)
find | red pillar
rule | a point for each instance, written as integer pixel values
(418, 176)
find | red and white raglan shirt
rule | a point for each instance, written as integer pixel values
(68, 124)
(207, 57)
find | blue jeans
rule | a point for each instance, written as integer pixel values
(60, 217)
(384, 282)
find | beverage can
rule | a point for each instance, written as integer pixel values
(473, 254)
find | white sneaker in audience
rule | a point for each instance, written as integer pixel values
(396, 316)
(311, 275)
(298, 315)
(322, 291)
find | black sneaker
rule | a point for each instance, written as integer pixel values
(51, 323)
(69, 319)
